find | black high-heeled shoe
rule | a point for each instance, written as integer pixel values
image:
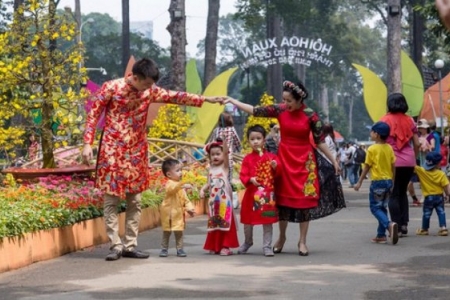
(301, 253)
(276, 248)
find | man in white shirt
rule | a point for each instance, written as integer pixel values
(342, 155)
(352, 168)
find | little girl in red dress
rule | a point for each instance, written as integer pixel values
(222, 233)
(258, 205)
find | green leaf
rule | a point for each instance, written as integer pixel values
(374, 91)
(412, 85)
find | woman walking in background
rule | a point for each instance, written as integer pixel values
(405, 142)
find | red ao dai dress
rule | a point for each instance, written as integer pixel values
(299, 178)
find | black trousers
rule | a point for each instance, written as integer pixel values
(398, 205)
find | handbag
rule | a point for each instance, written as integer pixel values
(447, 168)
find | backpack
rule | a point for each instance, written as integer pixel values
(359, 156)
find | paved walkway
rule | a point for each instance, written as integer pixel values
(342, 264)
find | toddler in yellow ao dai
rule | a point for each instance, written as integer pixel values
(174, 206)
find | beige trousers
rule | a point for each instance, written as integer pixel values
(132, 219)
(178, 239)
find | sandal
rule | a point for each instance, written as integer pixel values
(277, 248)
(226, 252)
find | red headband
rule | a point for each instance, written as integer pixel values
(211, 145)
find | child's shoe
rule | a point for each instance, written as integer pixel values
(421, 231)
(244, 248)
(379, 240)
(226, 252)
(268, 252)
(443, 232)
(163, 253)
(181, 253)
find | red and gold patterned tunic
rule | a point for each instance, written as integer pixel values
(122, 164)
(256, 212)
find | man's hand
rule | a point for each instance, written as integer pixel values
(357, 186)
(86, 154)
(202, 194)
(191, 213)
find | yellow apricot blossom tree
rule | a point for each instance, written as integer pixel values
(36, 73)
(171, 123)
(264, 122)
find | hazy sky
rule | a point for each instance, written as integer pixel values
(157, 11)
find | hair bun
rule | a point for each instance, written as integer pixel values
(298, 89)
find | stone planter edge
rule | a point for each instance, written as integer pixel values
(19, 252)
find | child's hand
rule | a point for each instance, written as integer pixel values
(191, 213)
(254, 181)
(187, 186)
(221, 138)
(357, 186)
(273, 164)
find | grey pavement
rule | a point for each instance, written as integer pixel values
(343, 264)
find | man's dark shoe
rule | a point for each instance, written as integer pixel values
(113, 255)
(135, 254)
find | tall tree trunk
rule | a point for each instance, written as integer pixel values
(394, 46)
(417, 35)
(125, 33)
(17, 3)
(78, 18)
(177, 30)
(47, 104)
(300, 70)
(350, 116)
(325, 102)
(335, 97)
(212, 29)
(274, 71)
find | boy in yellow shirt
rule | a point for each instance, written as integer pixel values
(380, 161)
(433, 183)
(173, 207)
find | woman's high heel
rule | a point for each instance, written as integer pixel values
(301, 253)
(277, 248)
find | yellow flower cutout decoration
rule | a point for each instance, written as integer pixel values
(309, 189)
